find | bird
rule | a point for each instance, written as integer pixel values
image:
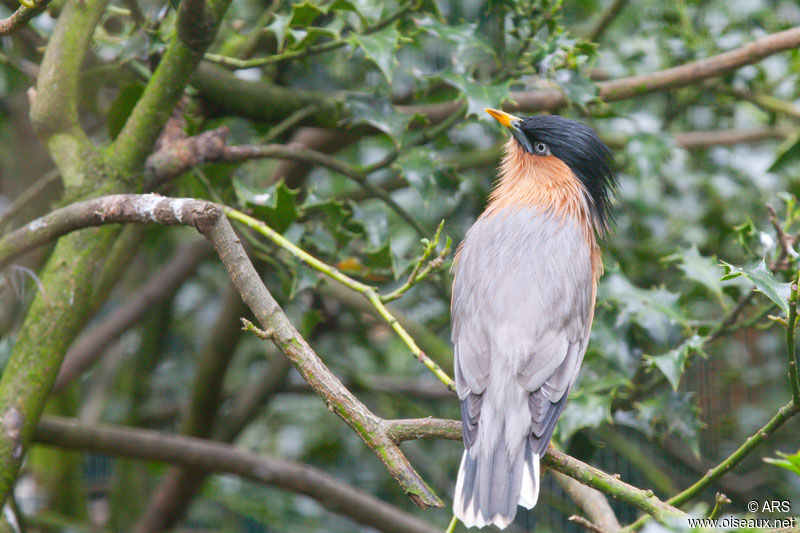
(524, 287)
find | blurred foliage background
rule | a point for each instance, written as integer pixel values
(682, 366)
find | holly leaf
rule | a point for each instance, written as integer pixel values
(789, 462)
(479, 96)
(764, 281)
(419, 166)
(276, 205)
(380, 258)
(655, 310)
(704, 270)
(377, 112)
(788, 154)
(673, 362)
(304, 13)
(583, 411)
(336, 222)
(279, 26)
(380, 47)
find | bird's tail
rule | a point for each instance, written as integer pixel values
(491, 485)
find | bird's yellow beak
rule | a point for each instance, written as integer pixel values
(502, 117)
(512, 123)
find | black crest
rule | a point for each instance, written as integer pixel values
(578, 145)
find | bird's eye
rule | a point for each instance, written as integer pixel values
(541, 148)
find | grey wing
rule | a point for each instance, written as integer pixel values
(521, 311)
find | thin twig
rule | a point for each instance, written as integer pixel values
(719, 500)
(369, 292)
(606, 19)
(419, 273)
(293, 55)
(784, 413)
(588, 525)
(20, 18)
(791, 350)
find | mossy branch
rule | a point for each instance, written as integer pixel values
(196, 26)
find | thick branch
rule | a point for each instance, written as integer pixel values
(196, 25)
(54, 101)
(114, 209)
(671, 78)
(692, 140)
(338, 399)
(257, 100)
(214, 457)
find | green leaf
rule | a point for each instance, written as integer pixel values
(380, 258)
(121, 107)
(419, 166)
(367, 10)
(463, 37)
(479, 96)
(336, 222)
(668, 412)
(304, 13)
(788, 153)
(655, 310)
(576, 88)
(380, 48)
(275, 205)
(583, 411)
(789, 462)
(279, 27)
(764, 281)
(377, 112)
(704, 270)
(673, 362)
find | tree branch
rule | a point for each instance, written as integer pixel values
(784, 413)
(338, 399)
(54, 101)
(209, 456)
(692, 140)
(197, 24)
(608, 16)
(367, 291)
(257, 100)
(17, 20)
(591, 501)
(671, 78)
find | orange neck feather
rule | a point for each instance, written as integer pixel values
(547, 184)
(543, 182)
